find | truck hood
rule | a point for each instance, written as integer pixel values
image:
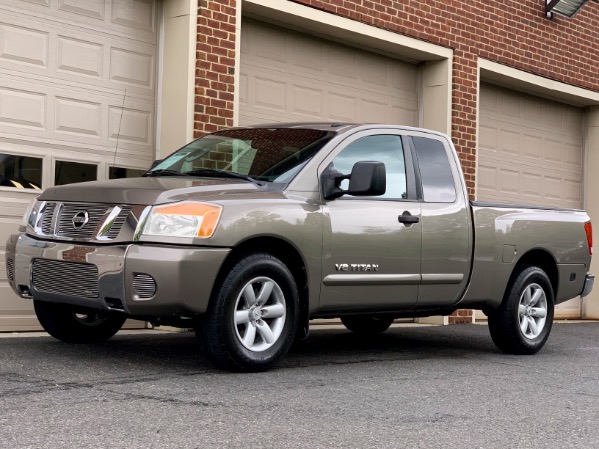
(156, 190)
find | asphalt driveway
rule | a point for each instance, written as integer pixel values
(411, 387)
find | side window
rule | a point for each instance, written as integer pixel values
(387, 149)
(20, 172)
(66, 172)
(124, 172)
(438, 185)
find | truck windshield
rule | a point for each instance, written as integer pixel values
(261, 154)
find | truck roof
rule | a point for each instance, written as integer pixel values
(338, 127)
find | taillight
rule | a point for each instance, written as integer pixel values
(588, 228)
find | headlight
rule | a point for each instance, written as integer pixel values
(30, 215)
(186, 219)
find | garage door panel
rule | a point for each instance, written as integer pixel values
(407, 114)
(288, 76)
(21, 108)
(89, 8)
(307, 101)
(80, 117)
(23, 45)
(530, 152)
(80, 57)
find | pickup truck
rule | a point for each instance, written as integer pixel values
(247, 234)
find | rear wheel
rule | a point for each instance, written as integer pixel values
(252, 319)
(367, 324)
(74, 324)
(521, 325)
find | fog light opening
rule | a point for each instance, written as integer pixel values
(144, 286)
(114, 303)
(24, 291)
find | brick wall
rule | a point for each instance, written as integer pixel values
(215, 66)
(514, 33)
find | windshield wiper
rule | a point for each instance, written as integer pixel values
(222, 174)
(164, 172)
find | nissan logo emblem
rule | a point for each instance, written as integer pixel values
(79, 219)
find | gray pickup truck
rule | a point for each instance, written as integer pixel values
(249, 233)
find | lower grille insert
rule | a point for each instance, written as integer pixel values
(10, 269)
(65, 278)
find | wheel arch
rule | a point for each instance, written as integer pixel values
(542, 259)
(288, 254)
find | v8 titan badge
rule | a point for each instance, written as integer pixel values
(356, 267)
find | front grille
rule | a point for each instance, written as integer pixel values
(96, 214)
(10, 269)
(65, 278)
(47, 218)
(95, 217)
(144, 286)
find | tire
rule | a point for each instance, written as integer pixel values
(74, 324)
(252, 318)
(521, 325)
(367, 324)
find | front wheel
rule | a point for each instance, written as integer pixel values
(367, 324)
(521, 325)
(73, 324)
(252, 318)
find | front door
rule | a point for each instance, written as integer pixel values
(371, 256)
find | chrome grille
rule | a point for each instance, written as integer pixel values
(144, 286)
(98, 217)
(10, 269)
(65, 278)
(119, 222)
(47, 218)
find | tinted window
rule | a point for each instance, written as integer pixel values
(71, 172)
(122, 172)
(384, 148)
(435, 171)
(21, 172)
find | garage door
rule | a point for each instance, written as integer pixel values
(288, 76)
(76, 77)
(530, 152)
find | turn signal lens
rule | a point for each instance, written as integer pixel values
(588, 228)
(186, 219)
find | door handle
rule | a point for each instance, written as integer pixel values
(408, 219)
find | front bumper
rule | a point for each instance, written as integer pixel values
(183, 276)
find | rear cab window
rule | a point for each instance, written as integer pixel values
(438, 184)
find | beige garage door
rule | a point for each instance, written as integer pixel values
(287, 76)
(75, 77)
(530, 152)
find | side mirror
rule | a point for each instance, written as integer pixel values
(368, 178)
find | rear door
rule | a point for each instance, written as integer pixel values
(445, 220)
(371, 260)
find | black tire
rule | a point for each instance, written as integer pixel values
(367, 324)
(512, 331)
(229, 345)
(73, 324)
